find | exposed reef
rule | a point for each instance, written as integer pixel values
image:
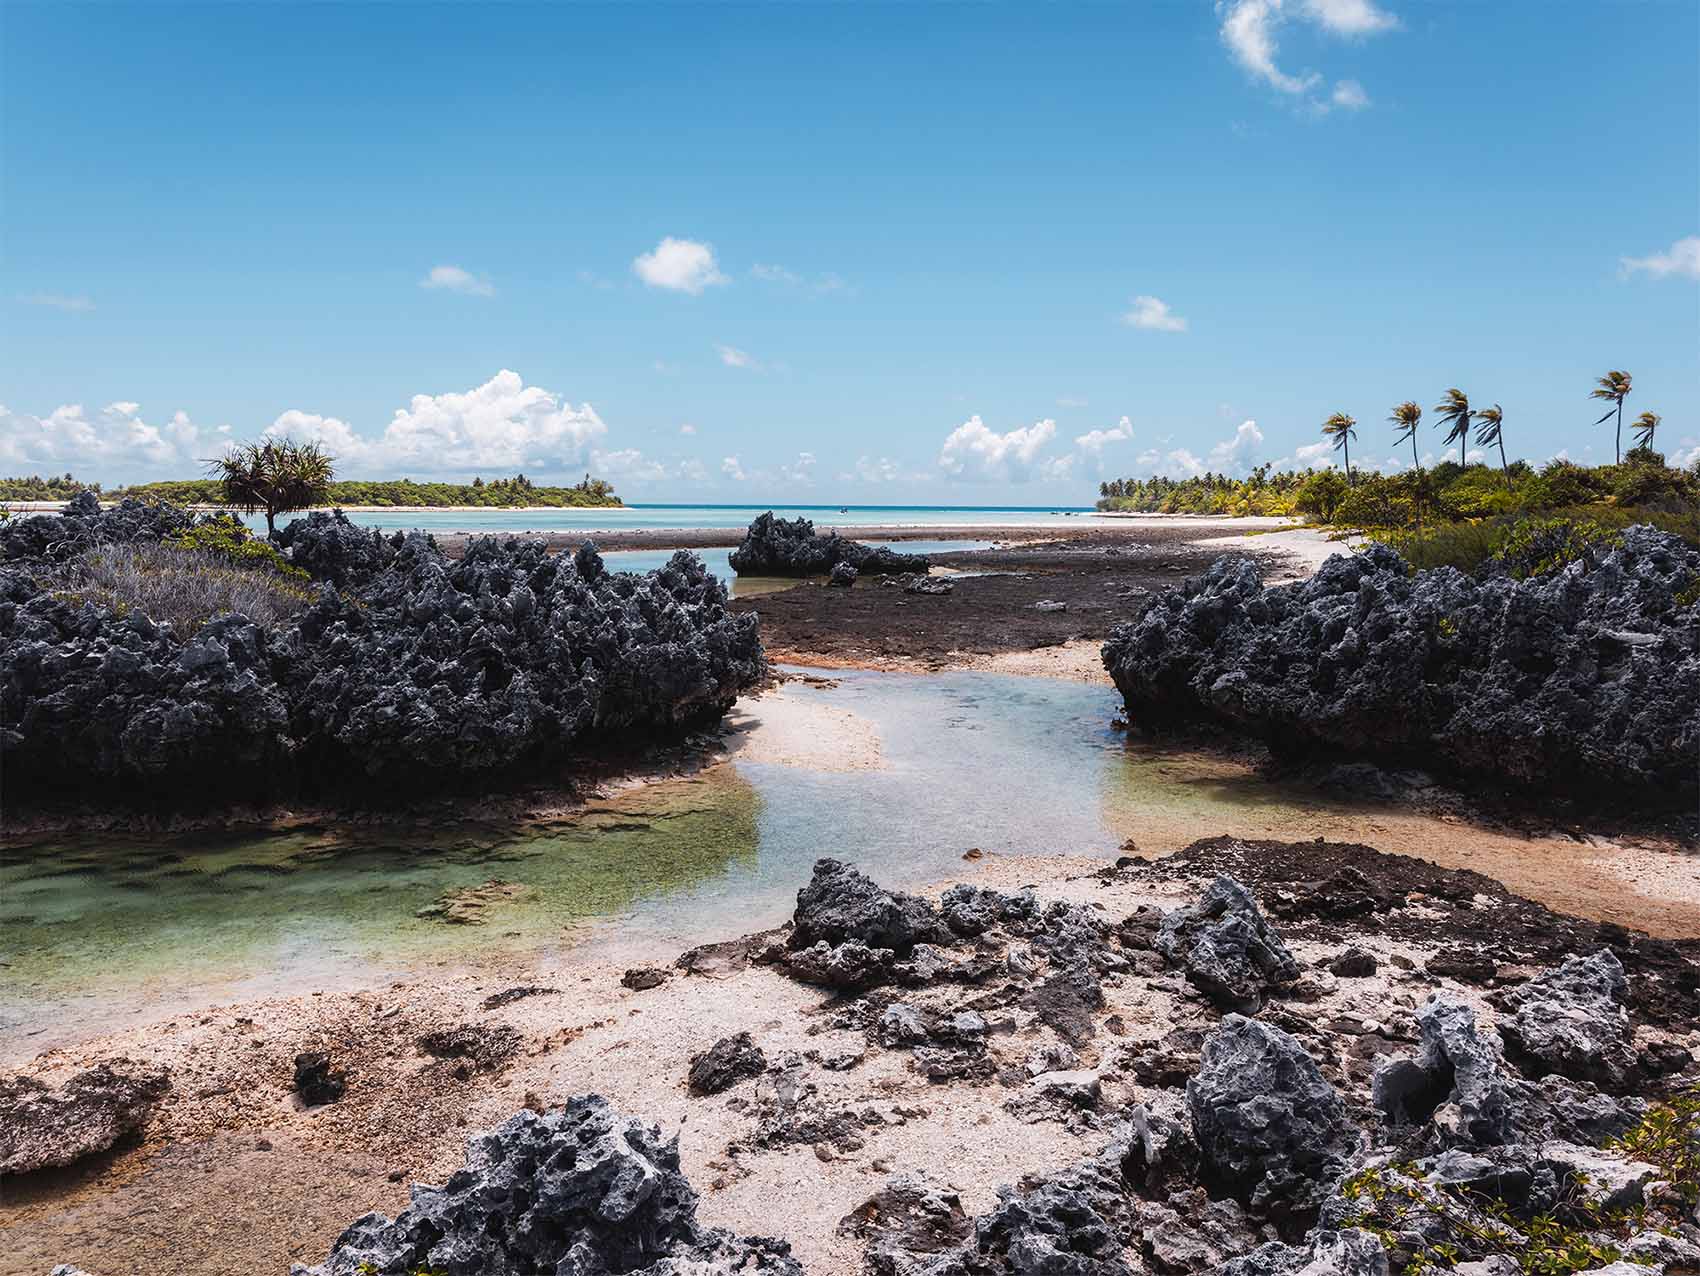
(583, 1190)
(406, 672)
(791, 547)
(1584, 682)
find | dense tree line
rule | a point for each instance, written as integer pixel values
(495, 493)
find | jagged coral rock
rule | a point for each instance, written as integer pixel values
(1585, 681)
(583, 1190)
(42, 1127)
(790, 547)
(419, 673)
(1226, 947)
(1572, 1021)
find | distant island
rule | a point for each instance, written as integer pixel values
(502, 493)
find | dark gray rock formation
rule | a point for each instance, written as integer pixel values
(840, 903)
(316, 1081)
(583, 1191)
(1271, 1128)
(42, 1127)
(1572, 1021)
(421, 674)
(1459, 1092)
(1349, 1252)
(1585, 682)
(1227, 948)
(483, 1045)
(843, 575)
(725, 1063)
(83, 524)
(330, 548)
(790, 547)
(1457, 1082)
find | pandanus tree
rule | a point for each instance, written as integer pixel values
(276, 476)
(1614, 387)
(1490, 432)
(1454, 415)
(1342, 429)
(1645, 427)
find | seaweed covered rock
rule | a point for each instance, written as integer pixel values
(42, 1127)
(1271, 1128)
(1227, 948)
(329, 547)
(583, 1190)
(1572, 1021)
(1584, 681)
(416, 673)
(790, 547)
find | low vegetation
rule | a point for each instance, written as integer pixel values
(502, 493)
(57, 487)
(181, 586)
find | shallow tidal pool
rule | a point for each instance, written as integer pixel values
(899, 773)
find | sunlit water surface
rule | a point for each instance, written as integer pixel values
(100, 929)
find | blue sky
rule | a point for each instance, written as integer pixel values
(872, 253)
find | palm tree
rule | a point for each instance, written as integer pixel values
(1645, 426)
(274, 475)
(1407, 417)
(1454, 413)
(1340, 428)
(1490, 432)
(1614, 386)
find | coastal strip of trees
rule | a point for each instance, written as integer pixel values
(498, 493)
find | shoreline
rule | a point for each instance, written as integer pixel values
(232, 1165)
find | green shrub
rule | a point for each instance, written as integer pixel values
(224, 537)
(1669, 1137)
(1320, 497)
(1538, 546)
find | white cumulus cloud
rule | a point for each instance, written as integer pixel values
(733, 357)
(1153, 315)
(1683, 259)
(115, 438)
(456, 279)
(1238, 455)
(680, 265)
(974, 451)
(1095, 441)
(1349, 17)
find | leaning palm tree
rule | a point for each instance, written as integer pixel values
(1645, 426)
(1490, 432)
(1340, 428)
(1407, 417)
(277, 476)
(1615, 387)
(1454, 413)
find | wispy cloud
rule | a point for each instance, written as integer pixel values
(733, 357)
(679, 265)
(687, 428)
(456, 279)
(775, 274)
(1153, 314)
(1249, 27)
(1682, 260)
(71, 305)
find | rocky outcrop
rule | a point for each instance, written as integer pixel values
(42, 1127)
(725, 1063)
(1572, 1021)
(317, 1081)
(843, 575)
(1584, 682)
(1271, 1128)
(790, 547)
(83, 524)
(849, 933)
(408, 673)
(583, 1190)
(1227, 948)
(329, 547)
(1459, 1092)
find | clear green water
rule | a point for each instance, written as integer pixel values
(102, 929)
